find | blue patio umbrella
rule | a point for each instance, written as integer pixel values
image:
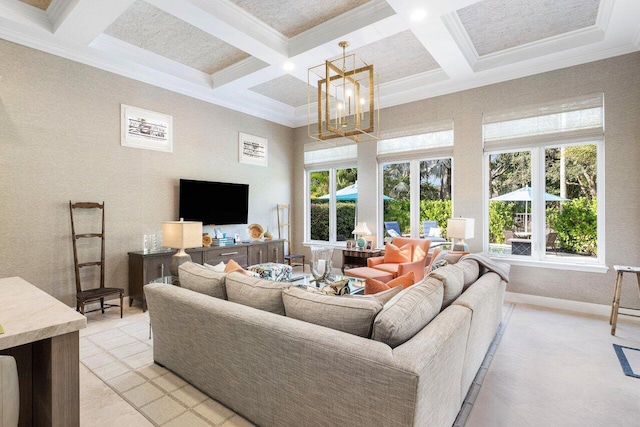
(349, 193)
(524, 195)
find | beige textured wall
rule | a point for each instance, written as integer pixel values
(60, 141)
(619, 79)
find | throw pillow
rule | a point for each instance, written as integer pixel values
(218, 267)
(397, 255)
(435, 232)
(352, 315)
(438, 264)
(373, 286)
(199, 278)
(234, 266)
(254, 292)
(452, 278)
(408, 312)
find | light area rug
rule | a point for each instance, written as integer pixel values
(123, 358)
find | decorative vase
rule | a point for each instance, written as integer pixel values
(268, 235)
(321, 264)
(361, 242)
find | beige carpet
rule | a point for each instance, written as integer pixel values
(122, 357)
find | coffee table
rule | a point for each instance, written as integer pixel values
(356, 285)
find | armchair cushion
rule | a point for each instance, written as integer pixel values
(420, 247)
(373, 286)
(393, 253)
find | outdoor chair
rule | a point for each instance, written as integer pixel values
(426, 228)
(392, 228)
(508, 235)
(552, 241)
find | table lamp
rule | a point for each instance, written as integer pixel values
(361, 230)
(181, 235)
(460, 229)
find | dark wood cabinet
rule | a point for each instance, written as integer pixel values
(143, 268)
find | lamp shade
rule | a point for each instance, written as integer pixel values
(181, 234)
(361, 229)
(460, 228)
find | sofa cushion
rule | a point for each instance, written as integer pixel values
(373, 286)
(256, 292)
(408, 312)
(452, 278)
(201, 279)
(393, 253)
(471, 271)
(218, 267)
(353, 314)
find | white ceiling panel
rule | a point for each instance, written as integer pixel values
(396, 57)
(286, 89)
(294, 17)
(152, 29)
(496, 25)
(233, 53)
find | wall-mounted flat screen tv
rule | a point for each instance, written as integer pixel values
(214, 203)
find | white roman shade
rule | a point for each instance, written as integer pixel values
(571, 120)
(333, 156)
(435, 140)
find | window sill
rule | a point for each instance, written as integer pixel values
(589, 267)
(337, 245)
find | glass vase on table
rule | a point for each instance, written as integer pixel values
(321, 264)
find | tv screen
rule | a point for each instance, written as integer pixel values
(214, 203)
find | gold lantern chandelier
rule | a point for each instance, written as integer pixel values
(343, 99)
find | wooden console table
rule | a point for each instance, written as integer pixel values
(358, 257)
(41, 333)
(145, 267)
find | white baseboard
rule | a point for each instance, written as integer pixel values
(563, 304)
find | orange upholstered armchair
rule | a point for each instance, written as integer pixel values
(402, 256)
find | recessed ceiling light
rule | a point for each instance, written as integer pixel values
(288, 66)
(418, 15)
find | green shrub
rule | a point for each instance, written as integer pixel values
(577, 225)
(436, 210)
(500, 218)
(320, 220)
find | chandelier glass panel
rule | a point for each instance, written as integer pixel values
(343, 99)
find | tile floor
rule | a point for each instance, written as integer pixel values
(552, 368)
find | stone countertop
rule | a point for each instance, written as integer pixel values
(28, 314)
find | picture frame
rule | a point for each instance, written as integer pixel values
(369, 245)
(145, 129)
(252, 149)
(351, 244)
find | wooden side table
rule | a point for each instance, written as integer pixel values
(615, 305)
(358, 257)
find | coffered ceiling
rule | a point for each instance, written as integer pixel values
(233, 52)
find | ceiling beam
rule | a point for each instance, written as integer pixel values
(82, 21)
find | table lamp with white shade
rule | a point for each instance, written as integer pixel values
(460, 229)
(181, 235)
(361, 230)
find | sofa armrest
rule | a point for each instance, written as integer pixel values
(417, 267)
(376, 260)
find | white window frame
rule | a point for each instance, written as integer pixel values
(538, 256)
(414, 189)
(332, 169)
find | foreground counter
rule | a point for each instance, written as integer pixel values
(42, 334)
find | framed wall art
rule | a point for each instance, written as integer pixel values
(252, 149)
(145, 129)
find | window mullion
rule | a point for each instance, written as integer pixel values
(332, 205)
(538, 205)
(414, 205)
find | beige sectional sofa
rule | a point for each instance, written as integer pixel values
(280, 371)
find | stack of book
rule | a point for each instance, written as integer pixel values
(223, 241)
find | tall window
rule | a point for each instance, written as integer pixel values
(543, 179)
(416, 180)
(332, 193)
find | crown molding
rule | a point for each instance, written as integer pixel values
(21, 13)
(460, 36)
(236, 71)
